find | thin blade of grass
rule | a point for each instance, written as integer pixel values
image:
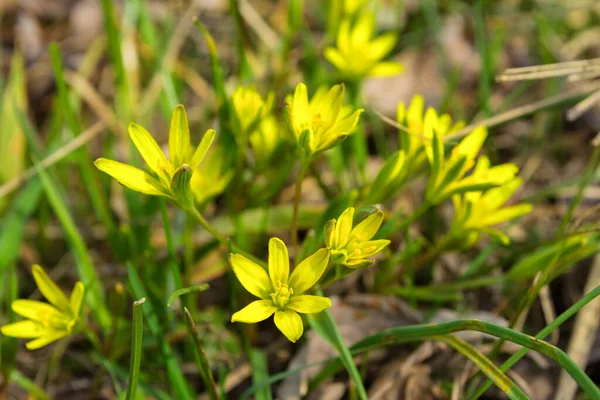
(486, 366)
(34, 390)
(136, 348)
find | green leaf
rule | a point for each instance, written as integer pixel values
(136, 348)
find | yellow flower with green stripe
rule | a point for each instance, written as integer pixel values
(352, 246)
(478, 212)
(280, 292)
(323, 122)
(166, 177)
(45, 322)
(357, 54)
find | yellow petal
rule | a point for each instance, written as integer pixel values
(251, 275)
(335, 58)
(504, 214)
(48, 338)
(495, 198)
(368, 249)
(148, 148)
(179, 137)
(77, 298)
(367, 228)
(471, 144)
(202, 148)
(343, 228)
(300, 112)
(256, 311)
(290, 324)
(358, 263)
(279, 262)
(363, 29)
(34, 310)
(382, 45)
(307, 304)
(23, 329)
(49, 289)
(386, 68)
(130, 177)
(309, 271)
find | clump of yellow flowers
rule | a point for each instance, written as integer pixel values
(352, 246)
(357, 54)
(322, 123)
(45, 322)
(280, 292)
(167, 177)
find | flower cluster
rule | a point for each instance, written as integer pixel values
(45, 322)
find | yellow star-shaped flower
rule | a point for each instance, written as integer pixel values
(281, 293)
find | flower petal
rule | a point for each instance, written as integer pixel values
(504, 214)
(386, 68)
(279, 262)
(33, 310)
(49, 289)
(130, 177)
(290, 324)
(148, 148)
(368, 227)
(309, 271)
(48, 338)
(23, 329)
(382, 45)
(256, 311)
(202, 149)
(179, 138)
(251, 275)
(368, 249)
(77, 298)
(343, 228)
(307, 304)
(358, 263)
(335, 58)
(300, 113)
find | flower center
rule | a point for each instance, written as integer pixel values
(282, 294)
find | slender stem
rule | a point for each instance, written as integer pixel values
(297, 195)
(394, 226)
(232, 246)
(136, 348)
(202, 361)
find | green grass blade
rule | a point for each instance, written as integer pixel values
(182, 291)
(136, 348)
(178, 382)
(34, 390)
(542, 334)
(202, 361)
(486, 366)
(324, 325)
(260, 373)
(85, 268)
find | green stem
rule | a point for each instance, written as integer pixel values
(394, 226)
(297, 195)
(136, 348)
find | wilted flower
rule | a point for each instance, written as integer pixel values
(250, 107)
(45, 322)
(358, 54)
(167, 177)
(478, 212)
(352, 246)
(281, 293)
(447, 176)
(322, 123)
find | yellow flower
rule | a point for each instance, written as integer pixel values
(265, 140)
(46, 323)
(357, 54)
(447, 176)
(477, 212)
(250, 107)
(322, 123)
(213, 178)
(281, 293)
(351, 246)
(167, 177)
(415, 120)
